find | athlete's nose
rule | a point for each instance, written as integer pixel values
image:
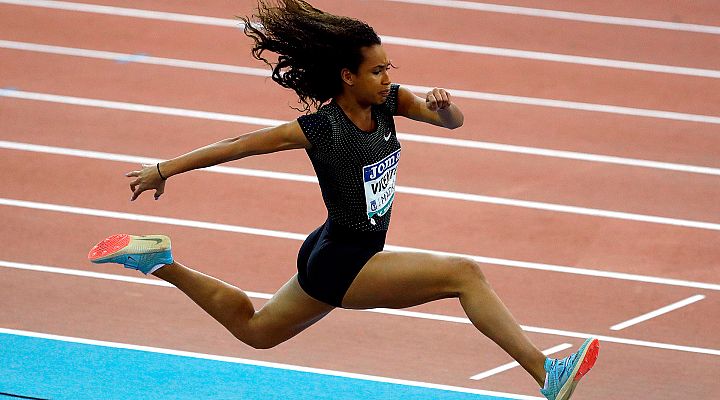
(386, 78)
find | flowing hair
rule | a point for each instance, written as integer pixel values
(312, 47)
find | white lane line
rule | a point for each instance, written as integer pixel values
(574, 105)
(427, 44)
(467, 94)
(127, 12)
(245, 361)
(566, 15)
(514, 364)
(100, 275)
(114, 56)
(444, 194)
(568, 155)
(384, 311)
(658, 312)
(300, 237)
(552, 57)
(137, 107)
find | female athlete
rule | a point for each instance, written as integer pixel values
(338, 66)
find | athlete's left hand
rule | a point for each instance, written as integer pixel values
(437, 99)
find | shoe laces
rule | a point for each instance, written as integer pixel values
(561, 366)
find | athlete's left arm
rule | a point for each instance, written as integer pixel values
(437, 108)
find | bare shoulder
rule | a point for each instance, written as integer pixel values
(292, 133)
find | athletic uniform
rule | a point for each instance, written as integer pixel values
(356, 171)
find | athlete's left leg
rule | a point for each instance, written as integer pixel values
(399, 280)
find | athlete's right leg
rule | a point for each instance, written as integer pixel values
(285, 315)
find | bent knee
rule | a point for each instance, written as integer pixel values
(258, 341)
(255, 335)
(468, 270)
(263, 344)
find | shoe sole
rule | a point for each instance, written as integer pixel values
(122, 244)
(588, 356)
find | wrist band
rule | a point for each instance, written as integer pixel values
(159, 173)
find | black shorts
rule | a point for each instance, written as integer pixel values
(331, 257)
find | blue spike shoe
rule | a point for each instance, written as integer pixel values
(143, 253)
(563, 375)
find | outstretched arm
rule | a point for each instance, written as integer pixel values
(437, 108)
(268, 140)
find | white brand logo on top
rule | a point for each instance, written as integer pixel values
(379, 180)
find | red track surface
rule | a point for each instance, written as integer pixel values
(399, 347)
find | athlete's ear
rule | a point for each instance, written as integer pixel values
(347, 76)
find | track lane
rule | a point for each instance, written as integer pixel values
(499, 74)
(495, 30)
(262, 264)
(132, 87)
(486, 230)
(682, 195)
(696, 12)
(648, 138)
(677, 151)
(686, 196)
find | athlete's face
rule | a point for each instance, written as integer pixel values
(371, 84)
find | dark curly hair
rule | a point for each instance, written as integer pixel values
(312, 47)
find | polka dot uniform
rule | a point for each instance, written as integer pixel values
(339, 152)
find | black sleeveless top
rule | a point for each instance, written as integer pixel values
(356, 169)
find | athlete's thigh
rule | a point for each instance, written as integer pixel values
(289, 312)
(400, 279)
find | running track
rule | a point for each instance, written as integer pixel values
(639, 238)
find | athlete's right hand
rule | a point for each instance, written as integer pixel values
(147, 178)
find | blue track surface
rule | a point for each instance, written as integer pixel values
(56, 369)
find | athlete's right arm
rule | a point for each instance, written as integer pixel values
(287, 136)
(263, 141)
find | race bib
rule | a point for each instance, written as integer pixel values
(379, 179)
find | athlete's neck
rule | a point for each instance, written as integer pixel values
(359, 114)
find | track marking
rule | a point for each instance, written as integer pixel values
(110, 55)
(301, 237)
(514, 364)
(131, 58)
(566, 15)
(7, 90)
(593, 212)
(483, 96)
(267, 364)
(573, 105)
(136, 107)
(402, 41)
(569, 155)
(384, 311)
(127, 12)
(658, 312)
(551, 57)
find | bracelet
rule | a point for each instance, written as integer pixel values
(159, 173)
